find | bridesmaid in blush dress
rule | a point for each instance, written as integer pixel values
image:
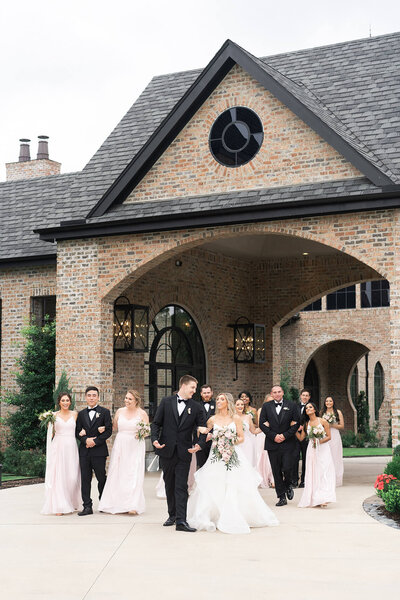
(319, 482)
(335, 419)
(62, 480)
(249, 443)
(123, 491)
(263, 463)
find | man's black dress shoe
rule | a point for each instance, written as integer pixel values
(85, 511)
(301, 485)
(295, 484)
(183, 526)
(170, 521)
(282, 501)
(290, 493)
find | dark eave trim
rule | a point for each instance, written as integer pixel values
(225, 216)
(229, 55)
(28, 261)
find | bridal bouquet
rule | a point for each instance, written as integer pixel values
(223, 447)
(316, 433)
(142, 431)
(330, 417)
(47, 417)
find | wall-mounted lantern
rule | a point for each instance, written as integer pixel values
(131, 326)
(248, 341)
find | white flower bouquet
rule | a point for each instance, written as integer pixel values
(330, 417)
(223, 447)
(47, 417)
(316, 433)
(142, 430)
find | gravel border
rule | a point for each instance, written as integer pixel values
(373, 507)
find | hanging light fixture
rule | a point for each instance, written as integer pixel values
(248, 341)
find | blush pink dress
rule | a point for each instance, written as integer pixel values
(248, 445)
(337, 454)
(123, 491)
(63, 478)
(263, 463)
(320, 479)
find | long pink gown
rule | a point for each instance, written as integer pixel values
(123, 491)
(263, 463)
(337, 454)
(63, 479)
(320, 479)
(248, 445)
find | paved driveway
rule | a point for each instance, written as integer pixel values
(339, 552)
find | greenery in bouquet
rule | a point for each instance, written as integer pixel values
(142, 430)
(47, 417)
(316, 433)
(330, 417)
(223, 447)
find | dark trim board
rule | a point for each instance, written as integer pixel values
(28, 261)
(228, 55)
(226, 216)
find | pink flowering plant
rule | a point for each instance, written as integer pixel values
(223, 447)
(388, 488)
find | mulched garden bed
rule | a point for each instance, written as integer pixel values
(20, 482)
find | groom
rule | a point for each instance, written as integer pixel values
(171, 433)
(279, 420)
(93, 449)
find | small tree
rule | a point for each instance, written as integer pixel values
(289, 392)
(361, 406)
(63, 387)
(35, 381)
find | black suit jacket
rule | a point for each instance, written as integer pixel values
(211, 410)
(90, 426)
(174, 431)
(279, 424)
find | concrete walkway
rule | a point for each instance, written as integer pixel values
(339, 552)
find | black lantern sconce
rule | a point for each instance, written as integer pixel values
(248, 342)
(131, 326)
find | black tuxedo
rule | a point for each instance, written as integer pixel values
(281, 455)
(301, 449)
(203, 454)
(93, 459)
(176, 432)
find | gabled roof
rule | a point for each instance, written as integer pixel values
(298, 99)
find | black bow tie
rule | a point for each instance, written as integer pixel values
(182, 400)
(89, 409)
(278, 403)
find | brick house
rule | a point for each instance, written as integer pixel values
(251, 188)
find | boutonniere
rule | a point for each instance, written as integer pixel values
(97, 415)
(212, 406)
(285, 408)
(189, 411)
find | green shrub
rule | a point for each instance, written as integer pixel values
(389, 440)
(371, 438)
(24, 462)
(393, 467)
(348, 439)
(396, 451)
(359, 441)
(361, 406)
(391, 497)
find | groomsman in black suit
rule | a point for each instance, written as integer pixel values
(208, 403)
(172, 429)
(279, 421)
(93, 449)
(301, 447)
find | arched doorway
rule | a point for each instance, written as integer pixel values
(311, 381)
(176, 349)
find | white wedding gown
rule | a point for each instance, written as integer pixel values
(228, 500)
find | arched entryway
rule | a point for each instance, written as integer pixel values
(311, 382)
(175, 349)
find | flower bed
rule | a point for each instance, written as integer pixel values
(388, 488)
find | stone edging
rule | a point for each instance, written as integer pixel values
(371, 505)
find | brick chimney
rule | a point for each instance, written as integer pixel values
(26, 168)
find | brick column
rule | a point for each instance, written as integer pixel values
(84, 322)
(395, 354)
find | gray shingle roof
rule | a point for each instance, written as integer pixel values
(354, 86)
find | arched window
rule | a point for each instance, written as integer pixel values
(175, 349)
(311, 381)
(354, 384)
(379, 388)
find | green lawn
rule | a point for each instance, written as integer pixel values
(7, 477)
(367, 452)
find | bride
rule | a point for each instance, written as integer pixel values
(225, 496)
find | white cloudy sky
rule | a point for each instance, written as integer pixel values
(70, 70)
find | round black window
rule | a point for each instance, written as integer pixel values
(236, 136)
